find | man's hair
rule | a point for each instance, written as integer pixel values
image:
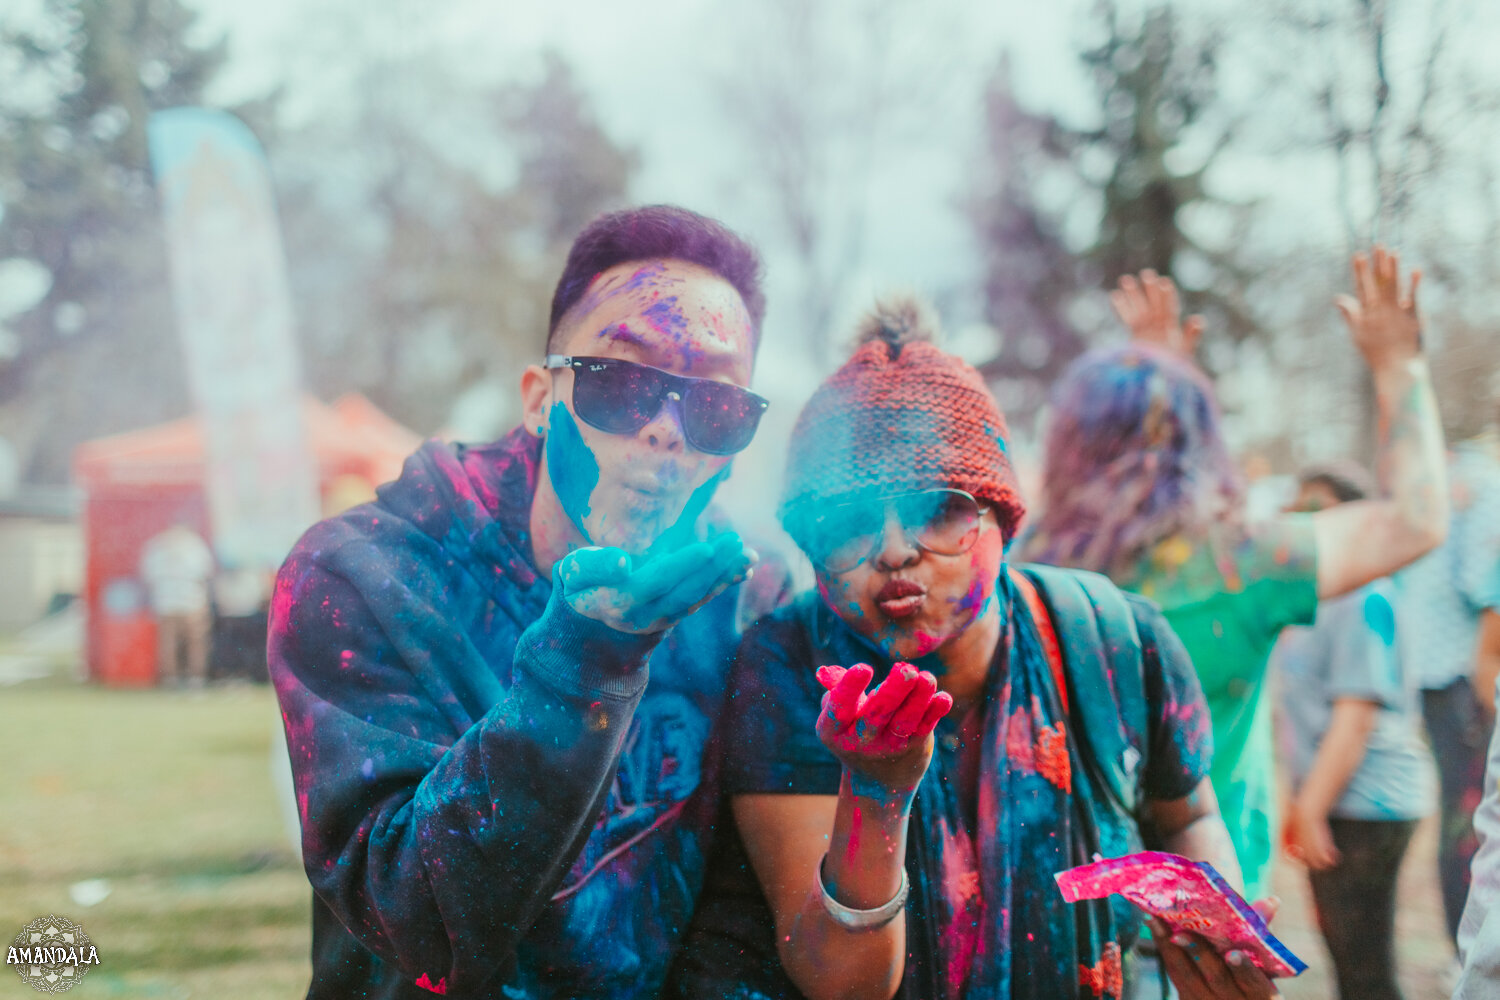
(1346, 479)
(659, 232)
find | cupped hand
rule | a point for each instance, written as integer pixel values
(1382, 320)
(1200, 973)
(1149, 306)
(607, 585)
(884, 737)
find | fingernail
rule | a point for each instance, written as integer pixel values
(1182, 940)
(1235, 958)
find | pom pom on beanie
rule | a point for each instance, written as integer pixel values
(900, 416)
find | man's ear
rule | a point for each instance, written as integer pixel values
(536, 399)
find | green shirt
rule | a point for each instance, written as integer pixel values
(1227, 597)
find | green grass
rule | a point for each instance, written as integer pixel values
(169, 797)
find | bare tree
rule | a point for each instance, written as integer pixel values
(1395, 95)
(822, 95)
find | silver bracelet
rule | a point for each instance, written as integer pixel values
(863, 920)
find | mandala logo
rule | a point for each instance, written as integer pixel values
(51, 954)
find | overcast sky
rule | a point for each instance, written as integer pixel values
(651, 69)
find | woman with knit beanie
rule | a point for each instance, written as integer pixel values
(905, 834)
(1138, 484)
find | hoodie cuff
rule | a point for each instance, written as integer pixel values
(576, 654)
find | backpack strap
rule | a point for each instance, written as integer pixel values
(1050, 646)
(1100, 649)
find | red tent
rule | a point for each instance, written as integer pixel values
(139, 483)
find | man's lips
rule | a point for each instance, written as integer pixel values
(900, 598)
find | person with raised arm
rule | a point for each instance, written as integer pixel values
(1138, 484)
(1360, 774)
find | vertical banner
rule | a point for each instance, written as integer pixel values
(234, 319)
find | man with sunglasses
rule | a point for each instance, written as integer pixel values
(498, 679)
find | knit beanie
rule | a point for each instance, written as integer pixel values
(900, 416)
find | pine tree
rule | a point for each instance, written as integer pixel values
(1030, 274)
(98, 353)
(1155, 86)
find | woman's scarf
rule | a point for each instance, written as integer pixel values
(987, 920)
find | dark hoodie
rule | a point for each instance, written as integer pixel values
(495, 802)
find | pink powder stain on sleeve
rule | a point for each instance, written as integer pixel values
(440, 987)
(281, 608)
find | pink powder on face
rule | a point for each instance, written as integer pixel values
(1187, 896)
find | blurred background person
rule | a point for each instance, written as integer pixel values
(1361, 774)
(1443, 597)
(242, 604)
(177, 566)
(1138, 484)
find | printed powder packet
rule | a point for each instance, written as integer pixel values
(1187, 896)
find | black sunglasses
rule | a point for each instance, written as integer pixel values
(839, 537)
(621, 397)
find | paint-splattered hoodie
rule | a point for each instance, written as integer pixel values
(496, 801)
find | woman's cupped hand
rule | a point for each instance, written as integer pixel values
(883, 737)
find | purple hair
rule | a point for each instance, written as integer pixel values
(1134, 455)
(658, 232)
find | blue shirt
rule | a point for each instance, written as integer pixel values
(1351, 652)
(1443, 593)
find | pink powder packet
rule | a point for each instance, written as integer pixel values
(1187, 896)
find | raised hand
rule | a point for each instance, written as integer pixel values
(605, 584)
(1383, 321)
(884, 738)
(1149, 306)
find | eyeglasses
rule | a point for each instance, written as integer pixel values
(945, 522)
(621, 397)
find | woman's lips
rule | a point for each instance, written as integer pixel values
(900, 598)
(902, 607)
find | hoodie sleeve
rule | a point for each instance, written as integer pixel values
(437, 842)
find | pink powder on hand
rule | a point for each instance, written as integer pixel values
(1187, 896)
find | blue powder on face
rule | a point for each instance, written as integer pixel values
(1381, 618)
(571, 466)
(681, 532)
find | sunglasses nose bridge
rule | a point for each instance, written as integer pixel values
(669, 413)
